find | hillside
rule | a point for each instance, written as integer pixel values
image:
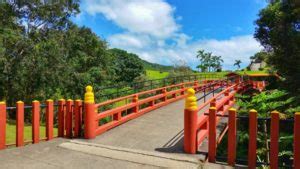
(155, 66)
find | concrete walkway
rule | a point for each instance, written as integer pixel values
(154, 140)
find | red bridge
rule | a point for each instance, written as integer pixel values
(176, 126)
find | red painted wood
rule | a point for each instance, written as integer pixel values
(61, 117)
(190, 131)
(252, 139)
(164, 92)
(20, 124)
(231, 137)
(2, 125)
(297, 140)
(35, 122)
(49, 119)
(90, 124)
(135, 100)
(69, 118)
(212, 132)
(182, 89)
(117, 116)
(78, 117)
(213, 103)
(115, 110)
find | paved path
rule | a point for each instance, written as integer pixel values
(154, 140)
(160, 130)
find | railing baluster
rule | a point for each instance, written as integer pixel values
(252, 139)
(35, 122)
(20, 124)
(231, 137)
(69, 117)
(2, 125)
(297, 140)
(164, 92)
(182, 88)
(212, 135)
(49, 119)
(61, 117)
(274, 132)
(78, 117)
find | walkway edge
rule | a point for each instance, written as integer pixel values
(136, 156)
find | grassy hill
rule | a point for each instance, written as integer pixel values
(155, 74)
(155, 66)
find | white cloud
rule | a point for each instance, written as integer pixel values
(240, 47)
(128, 40)
(151, 31)
(153, 17)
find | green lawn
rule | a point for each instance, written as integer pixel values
(154, 74)
(11, 133)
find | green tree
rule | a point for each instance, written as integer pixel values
(277, 32)
(127, 66)
(260, 56)
(237, 63)
(208, 62)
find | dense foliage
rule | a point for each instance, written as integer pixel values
(277, 32)
(44, 55)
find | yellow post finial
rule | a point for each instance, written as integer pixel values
(191, 100)
(89, 95)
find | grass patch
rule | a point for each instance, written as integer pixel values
(11, 133)
(155, 74)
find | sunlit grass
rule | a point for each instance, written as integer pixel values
(11, 133)
(154, 74)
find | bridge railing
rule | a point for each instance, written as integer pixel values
(118, 90)
(253, 136)
(196, 126)
(66, 116)
(97, 121)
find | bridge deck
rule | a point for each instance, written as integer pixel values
(150, 141)
(159, 130)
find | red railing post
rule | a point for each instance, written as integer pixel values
(2, 125)
(20, 124)
(196, 85)
(226, 95)
(252, 139)
(274, 132)
(135, 100)
(61, 118)
(69, 118)
(164, 92)
(190, 122)
(297, 140)
(90, 122)
(78, 117)
(35, 121)
(212, 134)
(213, 103)
(231, 137)
(49, 119)
(182, 88)
(117, 116)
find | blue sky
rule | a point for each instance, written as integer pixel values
(171, 31)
